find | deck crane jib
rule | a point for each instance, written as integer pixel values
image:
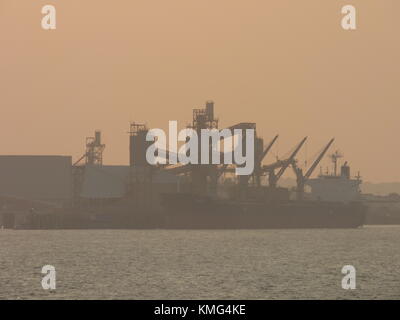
(301, 178)
(284, 164)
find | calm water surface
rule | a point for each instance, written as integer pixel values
(163, 264)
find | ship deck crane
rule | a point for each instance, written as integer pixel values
(283, 164)
(300, 178)
(258, 169)
(258, 165)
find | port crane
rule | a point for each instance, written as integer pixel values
(258, 163)
(203, 175)
(259, 157)
(269, 169)
(204, 118)
(267, 149)
(282, 164)
(302, 178)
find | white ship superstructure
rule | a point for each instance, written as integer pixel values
(336, 187)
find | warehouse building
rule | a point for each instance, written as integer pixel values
(36, 178)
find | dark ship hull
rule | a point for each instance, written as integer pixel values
(185, 211)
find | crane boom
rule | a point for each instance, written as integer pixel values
(317, 161)
(268, 148)
(290, 159)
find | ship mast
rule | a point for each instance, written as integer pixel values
(335, 157)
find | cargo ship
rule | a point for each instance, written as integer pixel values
(331, 203)
(334, 202)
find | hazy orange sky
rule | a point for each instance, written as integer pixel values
(287, 65)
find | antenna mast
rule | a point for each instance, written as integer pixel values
(335, 157)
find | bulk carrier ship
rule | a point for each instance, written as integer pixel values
(334, 200)
(332, 203)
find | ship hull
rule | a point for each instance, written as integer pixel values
(184, 211)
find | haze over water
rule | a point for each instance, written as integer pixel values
(168, 264)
